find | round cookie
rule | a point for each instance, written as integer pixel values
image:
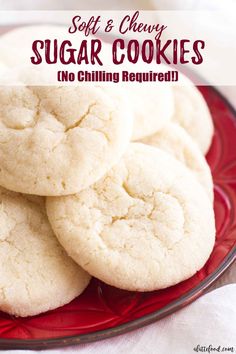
(192, 113)
(174, 140)
(152, 107)
(148, 224)
(36, 275)
(59, 140)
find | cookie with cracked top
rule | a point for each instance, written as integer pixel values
(192, 113)
(36, 274)
(147, 224)
(176, 141)
(60, 140)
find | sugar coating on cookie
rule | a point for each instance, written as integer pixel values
(152, 107)
(176, 141)
(36, 275)
(191, 112)
(148, 224)
(59, 140)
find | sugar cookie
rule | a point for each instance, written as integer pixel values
(148, 224)
(152, 107)
(59, 140)
(192, 113)
(176, 141)
(36, 275)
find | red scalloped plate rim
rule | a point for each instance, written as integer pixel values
(175, 305)
(126, 327)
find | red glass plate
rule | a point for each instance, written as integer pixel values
(103, 311)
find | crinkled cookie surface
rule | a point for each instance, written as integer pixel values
(176, 141)
(152, 107)
(59, 140)
(148, 224)
(192, 113)
(36, 275)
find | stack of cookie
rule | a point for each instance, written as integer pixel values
(137, 215)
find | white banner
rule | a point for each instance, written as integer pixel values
(128, 47)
